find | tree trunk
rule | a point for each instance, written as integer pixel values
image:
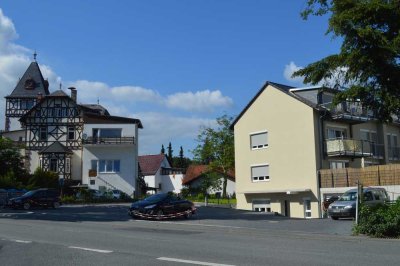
(224, 187)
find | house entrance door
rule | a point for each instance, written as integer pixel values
(287, 208)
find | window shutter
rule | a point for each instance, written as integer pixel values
(259, 140)
(260, 171)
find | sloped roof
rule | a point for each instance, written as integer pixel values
(91, 118)
(149, 164)
(40, 86)
(58, 93)
(284, 88)
(193, 172)
(56, 147)
(94, 108)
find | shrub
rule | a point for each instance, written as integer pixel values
(379, 221)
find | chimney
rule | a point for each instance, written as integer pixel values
(73, 93)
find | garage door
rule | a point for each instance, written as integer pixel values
(262, 205)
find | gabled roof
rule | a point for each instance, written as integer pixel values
(58, 93)
(56, 147)
(94, 108)
(91, 118)
(31, 84)
(291, 91)
(193, 172)
(149, 164)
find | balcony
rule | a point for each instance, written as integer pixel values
(352, 112)
(353, 148)
(108, 140)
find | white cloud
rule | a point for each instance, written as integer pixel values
(200, 101)
(160, 125)
(288, 72)
(162, 128)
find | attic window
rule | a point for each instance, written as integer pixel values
(30, 84)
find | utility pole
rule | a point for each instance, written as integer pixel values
(360, 196)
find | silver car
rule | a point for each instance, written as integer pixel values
(345, 206)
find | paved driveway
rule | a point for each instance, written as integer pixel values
(207, 216)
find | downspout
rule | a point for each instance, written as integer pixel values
(321, 156)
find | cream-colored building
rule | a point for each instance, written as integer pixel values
(285, 135)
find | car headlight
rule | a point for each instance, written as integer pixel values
(348, 207)
(150, 206)
(17, 200)
(330, 206)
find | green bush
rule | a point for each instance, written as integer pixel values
(379, 221)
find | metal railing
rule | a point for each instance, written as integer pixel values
(394, 153)
(354, 148)
(107, 140)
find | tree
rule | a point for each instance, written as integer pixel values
(216, 148)
(162, 149)
(170, 152)
(11, 163)
(369, 60)
(210, 181)
(43, 179)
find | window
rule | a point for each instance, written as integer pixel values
(307, 208)
(259, 140)
(43, 133)
(67, 165)
(106, 166)
(261, 205)
(338, 164)
(53, 165)
(336, 133)
(260, 173)
(71, 133)
(107, 132)
(392, 146)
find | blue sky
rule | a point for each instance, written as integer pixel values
(176, 64)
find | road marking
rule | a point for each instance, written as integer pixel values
(92, 249)
(192, 224)
(22, 241)
(193, 262)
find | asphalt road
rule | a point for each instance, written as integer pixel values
(106, 235)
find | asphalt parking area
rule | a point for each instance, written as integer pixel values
(206, 216)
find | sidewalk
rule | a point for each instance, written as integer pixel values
(215, 205)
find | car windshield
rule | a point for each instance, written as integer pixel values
(155, 198)
(348, 196)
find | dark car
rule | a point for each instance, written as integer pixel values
(43, 197)
(163, 205)
(345, 206)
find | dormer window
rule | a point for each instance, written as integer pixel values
(30, 84)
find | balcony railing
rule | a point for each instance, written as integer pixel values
(107, 140)
(353, 148)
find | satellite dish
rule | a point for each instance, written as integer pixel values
(84, 136)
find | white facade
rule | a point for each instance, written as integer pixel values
(122, 158)
(165, 182)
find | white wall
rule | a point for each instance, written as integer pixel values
(125, 180)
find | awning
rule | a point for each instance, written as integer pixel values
(285, 191)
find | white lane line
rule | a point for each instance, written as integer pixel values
(92, 249)
(192, 224)
(193, 262)
(22, 241)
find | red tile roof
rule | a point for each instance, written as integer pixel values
(149, 164)
(195, 171)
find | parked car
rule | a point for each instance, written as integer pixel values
(96, 194)
(345, 206)
(116, 194)
(43, 197)
(162, 205)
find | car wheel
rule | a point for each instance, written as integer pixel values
(188, 214)
(159, 214)
(334, 218)
(56, 205)
(27, 206)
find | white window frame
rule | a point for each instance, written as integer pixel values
(106, 161)
(264, 146)
(338, 161)
(267, 205)
(266, 178)
(306, 211)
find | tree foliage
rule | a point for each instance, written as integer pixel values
(10, 158)
(216, 148)
(368, 64)
(43, 179)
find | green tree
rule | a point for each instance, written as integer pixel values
(12, 172)
(216, 148)
(369, 60)
(170, 154)
(43, 179)
(210, 181)
(162, 149)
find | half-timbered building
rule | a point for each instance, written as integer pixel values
(80, 142)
